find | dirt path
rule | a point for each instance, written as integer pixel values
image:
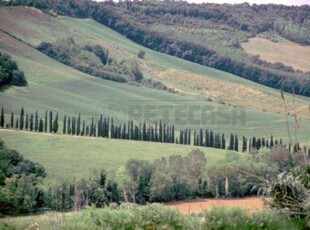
(196, 206)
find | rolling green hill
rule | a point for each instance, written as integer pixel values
(57, 87)
(65, 157)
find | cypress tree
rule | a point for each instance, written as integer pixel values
(263, 142)
(172, 134)
(21, 119)
(94, 131)
(223, 141)
(83, 129)
(271, 142)
(195, 138)
(12, 121)
(51, 121)
(231, 142)
(156, 134)
(69, 125)
(161, 132)
(36, 122)
(78, 125)
(41, 125)
(31, 122)
(55, 126)
(27, 122)
(244, 144)
(2, 118)
(250, 146)
(189, 137)
(91, 128)
(206, 144)
(236, 143)
(45, 122)
(258, 144)
(144, 131)
(211, 139)
(200, 138)
(254, 143)
(124, 132)
(73, 125)
(87, 131)
(185, 136)
(64, 128)
(132, 130)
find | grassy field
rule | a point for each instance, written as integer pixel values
(57, 87)
(65, 157)
(286, 52)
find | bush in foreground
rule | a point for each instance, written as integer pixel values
(157, 217)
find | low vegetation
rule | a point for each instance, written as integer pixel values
(155, 216)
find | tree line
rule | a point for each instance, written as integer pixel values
(106, 127)
(139, 181)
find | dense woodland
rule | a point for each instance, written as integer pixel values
(9, 72)
(138, 21)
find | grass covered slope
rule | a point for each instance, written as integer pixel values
(286, 52)
(57, 87)
(65, 157)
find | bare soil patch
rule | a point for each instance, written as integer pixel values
(195, 206)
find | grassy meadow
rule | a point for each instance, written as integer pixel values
(57, 87)
(286, 52)
(65, 157)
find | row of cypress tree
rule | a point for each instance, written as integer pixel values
(158, 132)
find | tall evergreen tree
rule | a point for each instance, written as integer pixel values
(173, 134)
(36, 122)
(45, 122)
(69, 125)
(78, 125)
(31, 122)
(87, 131)
(2, 118)
(231, 142)
(254, 143)
(55, 126)
(21, 119)
(64, 128)
(223, 145)
(41, 126)
(12, 121)
(200, 138)
(73, 125)
(244, 144)
(271, 142)
(51, 121)
(83, 129)
(211, 139)
(160, 131)
(236, 145)
(27, 122)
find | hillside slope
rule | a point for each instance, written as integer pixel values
(57, 87)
